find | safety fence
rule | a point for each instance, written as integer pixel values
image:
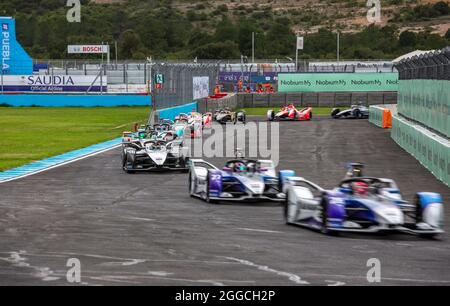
(431, 150)
(424, 89)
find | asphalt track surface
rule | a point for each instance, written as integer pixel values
(144, 229)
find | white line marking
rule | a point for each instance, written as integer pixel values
(257, 230)
(139, 219)
(334, 283)
(61, 164)
(292, 277)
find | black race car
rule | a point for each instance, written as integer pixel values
(354, 112)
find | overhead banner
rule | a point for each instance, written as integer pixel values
(87, 49)
(337, 82)
(200, 87)
(52, 83)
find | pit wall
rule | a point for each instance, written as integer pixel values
(430, 149)
(59, 100)
(426, 101)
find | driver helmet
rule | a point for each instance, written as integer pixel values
(240, 167)
(360, 188)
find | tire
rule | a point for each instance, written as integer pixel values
(310, 115)
(419, 212)
(334, 112)
(324, 206)
(190, 185)
(286, 210)
(207, 199)
(357, 114)
(125, 165)
(270, 115)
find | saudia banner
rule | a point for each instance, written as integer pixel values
(52, 83)
(337, 82)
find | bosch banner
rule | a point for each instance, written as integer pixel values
(87, 49)
(53, 83)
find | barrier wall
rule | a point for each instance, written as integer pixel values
(376, 115)
(210, 105)
(431, 150)
(171, 113)
(427, 101)
(74, 100)
(314, 99)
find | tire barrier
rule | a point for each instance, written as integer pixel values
(430, 149)
(426, 101)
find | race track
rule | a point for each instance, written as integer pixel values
(145, 229)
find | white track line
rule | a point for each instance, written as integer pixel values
(61, 164)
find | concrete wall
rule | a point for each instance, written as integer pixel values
(210, 105)
(322, 99)
(74, 100)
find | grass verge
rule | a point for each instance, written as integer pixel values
(28, 134)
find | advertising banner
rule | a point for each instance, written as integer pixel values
(87, 49)
(200, 87)
(337, 82)
(13, 58)
(52, 83)
(248, 77)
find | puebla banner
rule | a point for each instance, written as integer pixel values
(337, 82)
(52, 83)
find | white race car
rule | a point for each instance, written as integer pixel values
(361, 204)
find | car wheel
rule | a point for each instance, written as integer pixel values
(207, 198)
(335, 112)
(310, 115)
(191, 185)
(289, 219)
(418, 212)
(324, 215)
(357, 114)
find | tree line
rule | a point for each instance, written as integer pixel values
(155, 29)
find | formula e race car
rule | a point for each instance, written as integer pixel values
(146, 155)
(224, 115)
(361, 204)
(290, 112)
(354, 112)
(239, 180)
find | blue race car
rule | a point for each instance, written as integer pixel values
(361, 204)
(238, 180)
